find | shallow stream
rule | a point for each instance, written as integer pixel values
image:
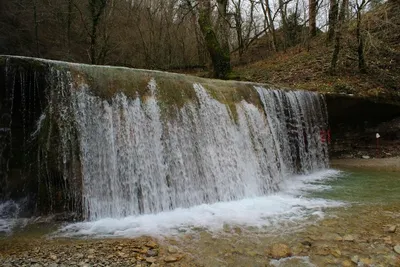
(326, 219)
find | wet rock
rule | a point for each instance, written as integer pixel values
(390, 228)
(151, 244)
(53, 257)
(349, 238)
(355, 259)
(173, 258)
(299, 249)
(322, 250)
(387, 240)
(366, 157)
(366, 261)
(306, 243)
(347, 263)
(151, 260)
(122, 255)
(397, 249)
(279, 251)
(332, 236)
(237, 230)
(251, 253)
(172, 249)
(152, 253)
(336, 253)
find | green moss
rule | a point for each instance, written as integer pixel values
(174, 90)
(232, 92)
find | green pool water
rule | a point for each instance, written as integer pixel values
(362, 187)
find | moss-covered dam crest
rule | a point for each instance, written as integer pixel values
(173, 89)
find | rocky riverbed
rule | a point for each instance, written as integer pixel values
(360, 235)
(364, 232)
(42, 251)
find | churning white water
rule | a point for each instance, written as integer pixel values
(9, 211)
(290, 205)
(134, 161)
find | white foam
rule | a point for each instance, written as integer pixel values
(291, 204)
(8, 212)
(305, 260)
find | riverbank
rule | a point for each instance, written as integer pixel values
(378, 164)
(41, 251)
(364, 230)
(360, 235)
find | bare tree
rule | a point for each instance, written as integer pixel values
(96, 9)
(312, 11)
(270, 22)
(359, 6)
(338, 36)
(219, 53)
(333, 17)
(36, 26)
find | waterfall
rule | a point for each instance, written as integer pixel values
(113, 142)
(134, 161)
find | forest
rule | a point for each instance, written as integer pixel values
(212, 38)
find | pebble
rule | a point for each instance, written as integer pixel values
(279, 251)
(151, 260)
(390, 228)
(172, 249)
(387, 240)
(152, 253)
(366, 261)
(397, 249)
(336, 253)
(349, 238)
(53, 257)
(151, 244)
(347, 263)
(173, 258)
(355, 259)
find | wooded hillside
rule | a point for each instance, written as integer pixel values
(346, 46)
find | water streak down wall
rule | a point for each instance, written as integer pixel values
(112, 142)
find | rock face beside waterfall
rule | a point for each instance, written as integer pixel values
(111, 142)
(354, 123)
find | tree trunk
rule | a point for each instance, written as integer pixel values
(360, 39)
(96, 8)
(220, 56)
(338, 36)
(36, 25)
(69, 23)
(223, 25)
(312, 7)
(271, 25)
(282, 9)
(333, 17)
